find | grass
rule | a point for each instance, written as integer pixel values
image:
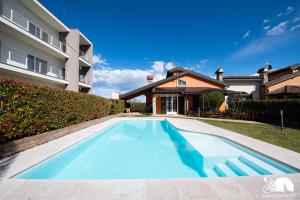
(290, 138)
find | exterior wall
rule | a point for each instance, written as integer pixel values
(249, 86)
(17, 39)
(24, 11)
(158, 105)
(149, 98)
(17, 46)
(29, 79)
(190, 102)
(72, 64)
(191, 81)
(292, 81)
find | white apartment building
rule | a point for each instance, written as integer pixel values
(36, 47)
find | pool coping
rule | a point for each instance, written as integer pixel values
(227, 188)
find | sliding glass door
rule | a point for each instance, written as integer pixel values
(171, 105)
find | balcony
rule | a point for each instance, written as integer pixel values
(32, 65)
(24, 23)
(84, 59)
(84, 81)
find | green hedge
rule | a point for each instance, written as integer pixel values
(27, 109)
(269, 110)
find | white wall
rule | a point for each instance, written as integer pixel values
(18, 46)
(23, 10)
(249, 86)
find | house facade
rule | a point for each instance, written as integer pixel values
(182, 89)
(283, 83)
(36, 47)
(179, 93)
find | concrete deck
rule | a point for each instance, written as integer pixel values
(201, 188)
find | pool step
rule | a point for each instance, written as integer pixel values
(211, 173)
(240, 168)
(223, 170)
(260, 166)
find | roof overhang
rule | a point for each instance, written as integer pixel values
(84, 40)
(282, 79)
(45, 14)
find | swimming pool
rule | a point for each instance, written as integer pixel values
(149, 149)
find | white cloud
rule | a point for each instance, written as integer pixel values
(170, 65)
(279, 29)
(106, 79)
(97, 59)
(247, 34)
(295, 27)
(262, 46)
(204, 61)
(287, 11)
(297, 18)
(158, 66)
(267, 28)
(266, 21)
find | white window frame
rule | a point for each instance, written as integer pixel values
(179, 85)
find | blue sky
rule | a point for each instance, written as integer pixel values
(134, 38)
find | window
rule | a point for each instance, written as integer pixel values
(32, 28)
(41, 66)
(30, 62)
(181, 83)
(38, 32)
(45, 36)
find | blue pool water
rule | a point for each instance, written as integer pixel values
(133, 149)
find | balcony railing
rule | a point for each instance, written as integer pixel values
(86, 58)
(19, 60)
(23, 22)
(84, 79)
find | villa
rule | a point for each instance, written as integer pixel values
(180, 92)
(36, 47)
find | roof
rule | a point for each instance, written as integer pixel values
(288, 89)
(144, 89)
(197, 75)
(282, 78)
(264, 69)
(294, 66)
(243, 77)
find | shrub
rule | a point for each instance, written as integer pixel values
(138, 107)
(27, 109)
(269, 110)
(213, 99)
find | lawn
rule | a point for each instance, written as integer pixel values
(290, 138)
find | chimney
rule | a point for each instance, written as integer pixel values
(150, 79)
(219, 74)
(263, 72)
(265, 75)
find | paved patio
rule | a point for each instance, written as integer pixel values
(200, 188)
